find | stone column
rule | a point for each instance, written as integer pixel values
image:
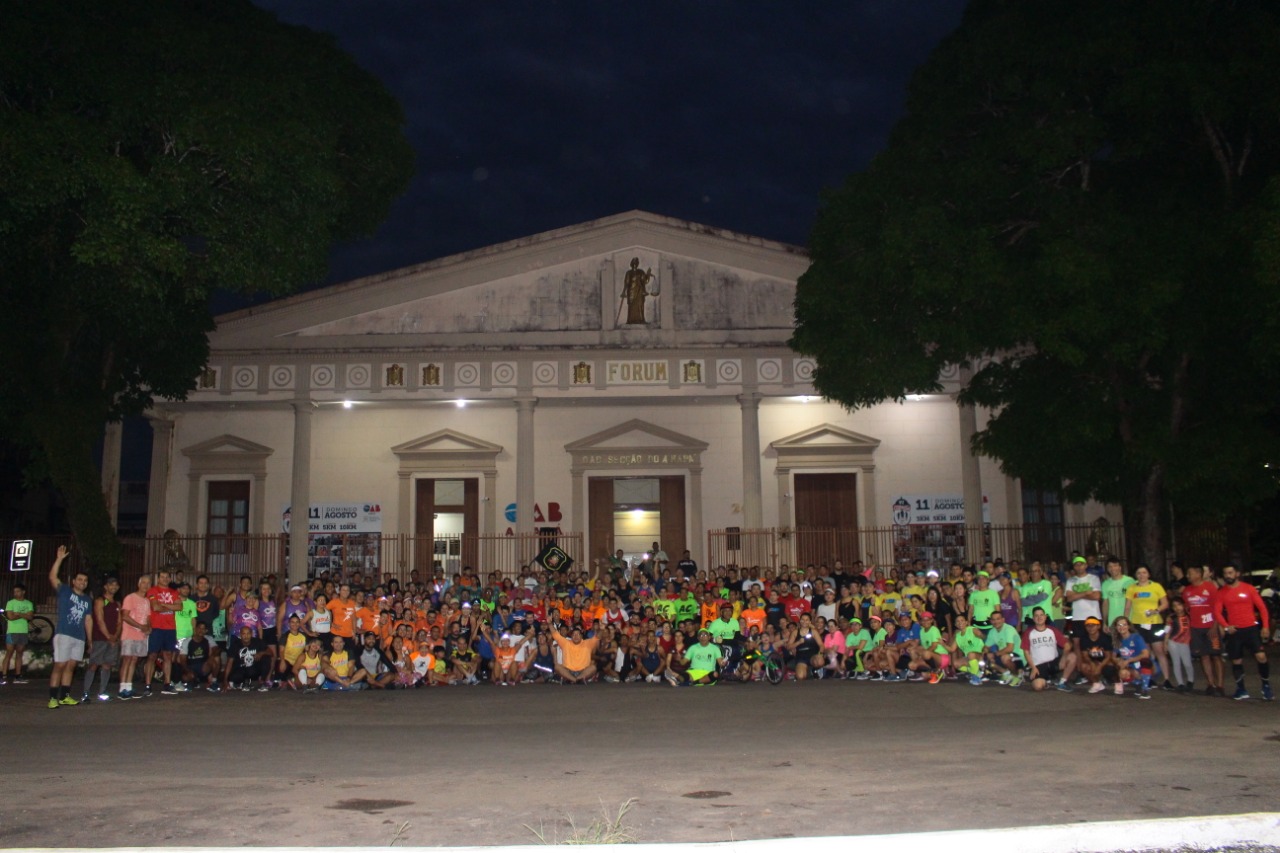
(870, 517)
(786, 517)
(300, 489)
(971, 477)
(695, 516)
(112, 439)
(162, 430)
(752, 513)
(526, 454)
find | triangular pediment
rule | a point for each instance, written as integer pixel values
(563, 287)
(635, 434)
(227, 445)
(826, 435)
(446, 442)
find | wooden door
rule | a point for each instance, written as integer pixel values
(673, 536)
(600, 517)
(227, 526)
(826, 508)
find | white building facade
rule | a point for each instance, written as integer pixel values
(623, 380)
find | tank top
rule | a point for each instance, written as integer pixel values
(105, 629)
(341, 663)
(321, 621)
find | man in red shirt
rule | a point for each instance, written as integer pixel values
(1206, 638)
(162, 642)
(1243, 616)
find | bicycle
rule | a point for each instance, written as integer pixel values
(39, 629)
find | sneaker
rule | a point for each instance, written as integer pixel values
(935, 678)
(1119, 688)
(213, 688)
(672, 678)
(53, 703)
(876, 676)
(104, 697)
(263, 687)
(147, 693)
(1167, 685)
(975, 680)
(1184, 688)
(1081, 681)
(68, 700)
(168, 690)
(246, 687)
(19, 680)
(1209, 690)
(1241, 693)
(863, 676)
(3, 682)
(913, 675)
(1097, 687)
(1064, 687)
(124, 694)
(1222, 693)
(611, 679)
(1016, 681)
(1005, 678)
(84, 697)
(1267, 695)
(1144, 694)
(181, 688)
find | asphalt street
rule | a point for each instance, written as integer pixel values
(490, 765)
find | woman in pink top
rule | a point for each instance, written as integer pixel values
(135, 614)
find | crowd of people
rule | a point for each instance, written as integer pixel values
(1087, 626)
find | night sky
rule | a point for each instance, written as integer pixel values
(532, 116)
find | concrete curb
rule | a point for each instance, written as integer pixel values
(1259, 829)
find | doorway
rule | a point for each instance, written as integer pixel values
(446, 525)
(826, 526)
(632, 513)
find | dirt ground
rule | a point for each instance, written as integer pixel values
(489, 765)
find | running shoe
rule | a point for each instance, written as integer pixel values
(68, 700)
(1097, 687)
(975, 680)
(1005, 678)
(168, 690)
(84, 697)
(1241, 693)
(263, 687)
(1015, 681)
(1119, 688)
(20, 680)
(672, 678)
(1064, 687)
(935, 678)
(53, 704)
(1144, 694)
(104, 697)
(1267, 695)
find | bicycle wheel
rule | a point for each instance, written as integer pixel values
(39, 631)
(774, 668)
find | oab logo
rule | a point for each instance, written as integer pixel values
(902, 512)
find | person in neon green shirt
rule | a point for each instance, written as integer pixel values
(968, 645)
(1036, 592)
(983, 602)
(703, 658)
(931, 653)
(1004, 650)
(1114, 587)
(857, 641)
(17, 628)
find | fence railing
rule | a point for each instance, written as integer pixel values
(226, 558)
(937, 545)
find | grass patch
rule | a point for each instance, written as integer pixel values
(609, 828)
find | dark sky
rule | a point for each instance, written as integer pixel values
(528, 116)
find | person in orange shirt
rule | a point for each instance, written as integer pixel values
(577, 666)
(753, 616)
(709, 608)
(368, 617)
(343, 609)
(506, 668)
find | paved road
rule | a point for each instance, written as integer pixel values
(475, 765)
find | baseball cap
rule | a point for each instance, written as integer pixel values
(926, 615)
(1075, 560)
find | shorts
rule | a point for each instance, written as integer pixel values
(576, 673)
(198, 669)
(903, 661)
(335, 685)
(1150, 633)
(982, 625)
(67, 649)
(1240, 642)
(133, 648)
(271, 635)
(15, 640)
(104, 654)
(1049, 670)
(698, 674)
(1206, 641)
(162, 640)
(183, 642)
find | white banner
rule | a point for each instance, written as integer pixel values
(340, 518)
(933, 509)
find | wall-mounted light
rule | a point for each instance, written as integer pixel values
(346, 404)
(461, 404)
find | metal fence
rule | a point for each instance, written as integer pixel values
(225, 558)
(937, 545)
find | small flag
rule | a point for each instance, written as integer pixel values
(553, 558)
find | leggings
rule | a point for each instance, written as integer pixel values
(1180, 663)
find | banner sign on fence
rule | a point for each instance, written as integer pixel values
(340, 518)
(933, 509)
(20, 555)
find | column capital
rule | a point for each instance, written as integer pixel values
(303, 406)
(525, 402)
(751, 399)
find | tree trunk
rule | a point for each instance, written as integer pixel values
(67, 437)
(1150, 512)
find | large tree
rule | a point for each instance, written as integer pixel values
(150, 154)
(1080, 206)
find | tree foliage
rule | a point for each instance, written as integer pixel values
(151, 153)
(1081, 205)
